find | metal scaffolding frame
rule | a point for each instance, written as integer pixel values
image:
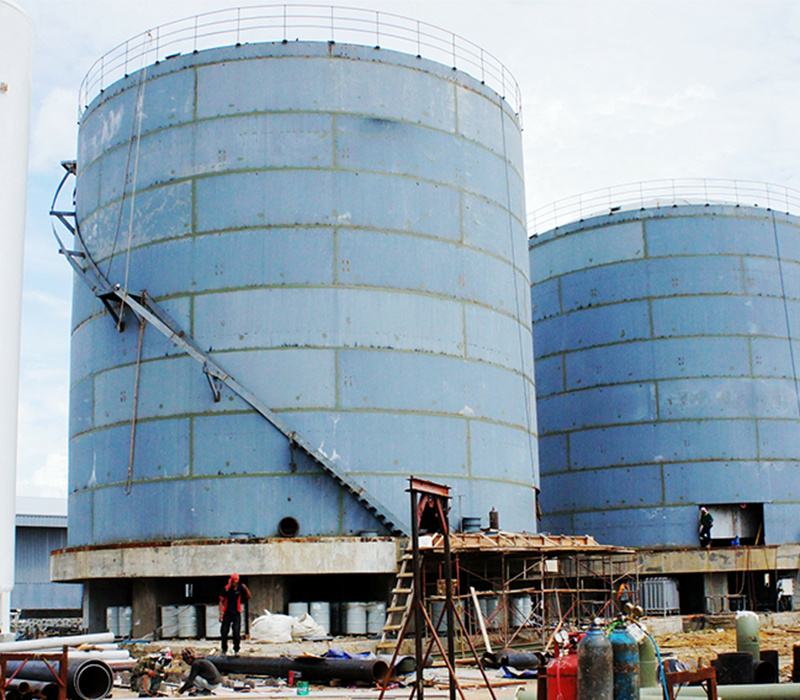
(569, 580)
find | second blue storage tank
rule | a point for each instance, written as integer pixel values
(667, 344)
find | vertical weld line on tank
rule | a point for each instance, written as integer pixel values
(520, 340)
(786, 311)
(190, 466)
(469, 445)
(464, 352)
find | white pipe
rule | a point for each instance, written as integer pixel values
(57, 642)
(76, 655)
(16, 61)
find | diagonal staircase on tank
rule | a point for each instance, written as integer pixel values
(400, 606)
(115, 299)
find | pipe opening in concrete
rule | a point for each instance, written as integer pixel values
(288, 527)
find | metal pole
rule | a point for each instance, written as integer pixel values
(417, 599)
(448, 573)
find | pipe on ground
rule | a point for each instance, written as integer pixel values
(22, 689)
(775, 691)
(365, 670)
(87, 680)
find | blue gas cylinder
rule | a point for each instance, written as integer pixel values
(595, 666)
(625, 651)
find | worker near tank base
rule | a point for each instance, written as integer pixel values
(230, 612)
(706, 523)
(203, 675)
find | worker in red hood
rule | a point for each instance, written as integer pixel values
(230, 612)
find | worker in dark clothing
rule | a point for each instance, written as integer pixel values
(230, 612)
(203, 675)
(706, 523)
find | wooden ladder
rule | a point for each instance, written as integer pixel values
(400, 608)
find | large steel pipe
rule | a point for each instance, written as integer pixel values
(87, 680)
(365, 670)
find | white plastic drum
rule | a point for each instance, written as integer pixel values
(321, 612)
(521, 607)
(298, 609)
(355, 616)
(169, 621)
(376, 617)
(213, 625)
(488, 608)
(187, 621)
(437, 608)
(125, 621)
(112, 620)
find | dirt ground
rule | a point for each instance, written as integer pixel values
(702, 647)
(707, 637)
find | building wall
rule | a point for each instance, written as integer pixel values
(666, 362)
(33, 589)
(342, 229)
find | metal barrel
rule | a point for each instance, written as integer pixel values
(734, 668)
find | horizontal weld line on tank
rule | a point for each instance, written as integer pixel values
(659, 421)
(324, 227)
(241, 412)
(670, 296)
(604, 220)
(518, 321)
(309, 474)
(659, 338)
(678, 256)
(666, 463)
(508, 313)
(314, 113)
(450, 477)
(181, 355)
(306, 474)
(360, 171)
(665, 380)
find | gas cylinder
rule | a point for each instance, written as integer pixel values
(595, 666)
(647, 664)
(747, 633)
(562, 677)
(625, 652)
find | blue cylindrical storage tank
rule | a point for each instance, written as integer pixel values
(341, 228)
(666, 344)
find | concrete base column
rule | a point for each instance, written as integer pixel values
(145, 608)
(269, 593)
(98, 595)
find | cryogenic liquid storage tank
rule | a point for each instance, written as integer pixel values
(16, 60)
(340, 229)
(666, 362)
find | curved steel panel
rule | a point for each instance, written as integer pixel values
(342, 229)
(667, 348)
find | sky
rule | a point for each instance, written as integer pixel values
(613, 92)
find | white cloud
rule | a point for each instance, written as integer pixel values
(55, 130)
(49, 481)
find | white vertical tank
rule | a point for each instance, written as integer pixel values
(16, 58)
